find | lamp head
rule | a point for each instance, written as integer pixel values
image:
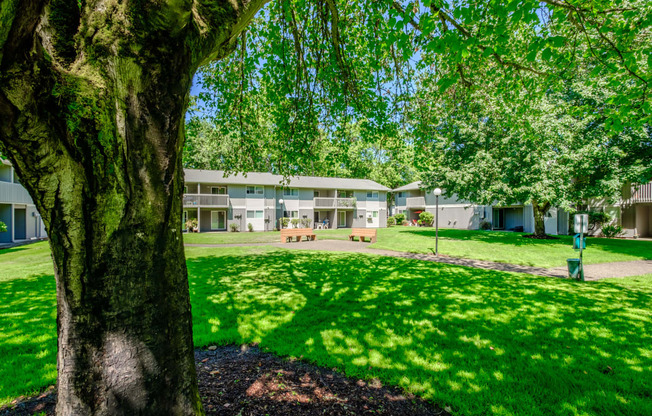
(280, 201)
(436, 192)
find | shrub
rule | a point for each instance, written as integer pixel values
(250, 226)
(391, 221)
(295, 223)
(234, 227)
(191, 225)
(285, 222)
(306, 222)
(400, 218)
(611, 231)
(3, 227)
(485, 225)
(405, 222)
(426, 218)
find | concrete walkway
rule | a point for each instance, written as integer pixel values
(591, 271)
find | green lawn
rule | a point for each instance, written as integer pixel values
(223, 237)
(480, 341)
(510, 247)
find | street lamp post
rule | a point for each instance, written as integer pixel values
(437, 192)
(280, 220)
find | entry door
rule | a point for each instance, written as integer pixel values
(499, 219)
(342, 221)
(218, 220)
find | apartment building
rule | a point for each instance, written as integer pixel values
(262, 199)
(633, 211)
(411, 200)
(17, 209)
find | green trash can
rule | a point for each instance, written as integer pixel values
(573, 268)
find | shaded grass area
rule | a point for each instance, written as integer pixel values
(510, 247)
(223, 237)
(480, 341)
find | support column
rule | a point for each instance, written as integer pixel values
(198, 219)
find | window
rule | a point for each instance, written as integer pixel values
(290, 192)
(345, 194)
(401, 194)
(218, 190)
(255, 214)
(315, 194)
(372, 195)
(254, 190)
(374, 214)
(291, 214)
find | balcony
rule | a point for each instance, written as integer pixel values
(641, 193)
(415, 202)
(208, 200)
(340, 203)
(13, 193)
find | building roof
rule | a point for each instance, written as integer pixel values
(258, 178)
(409, 187)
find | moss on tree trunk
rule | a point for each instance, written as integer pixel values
(93, 102)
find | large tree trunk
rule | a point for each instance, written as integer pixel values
(540, 210)
(92, 104)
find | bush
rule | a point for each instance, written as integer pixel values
(391, 221)
(611, 231)
(295, 223)
(426, 218)
(234, 227)
(3, 227)
(405, 222)
(306, 222)
(285, 222)
(191, 225)
(485, 225)
(596, 219)
(250, 226)
(400, 218)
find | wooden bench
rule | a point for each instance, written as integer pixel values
(363, 233)
(288, 233)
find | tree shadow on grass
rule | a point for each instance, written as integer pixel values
(481, 341)
(28, 336)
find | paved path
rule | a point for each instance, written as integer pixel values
(591, 271)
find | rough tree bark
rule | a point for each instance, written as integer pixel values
(540, 210)
(93, 96)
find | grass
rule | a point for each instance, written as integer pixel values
(223, 237)
(510, 247)
(480, 341)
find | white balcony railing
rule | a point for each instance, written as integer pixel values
(210, 200)
(642, 193)
(415, 202)
(14, 193)
(342, 203)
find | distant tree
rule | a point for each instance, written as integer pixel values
(553, 150)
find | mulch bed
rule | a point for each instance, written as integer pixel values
(541, 237)
(246, 381)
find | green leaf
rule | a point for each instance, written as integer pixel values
(546, 54)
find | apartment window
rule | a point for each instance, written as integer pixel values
(255, 214)
(254, 190)
(374, 214)
(315, 194)
(401, 194)
(373, 195)
(291, 214)
(345, 194)
(290, 192)
(218, 190)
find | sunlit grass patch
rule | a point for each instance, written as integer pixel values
(510, 247)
